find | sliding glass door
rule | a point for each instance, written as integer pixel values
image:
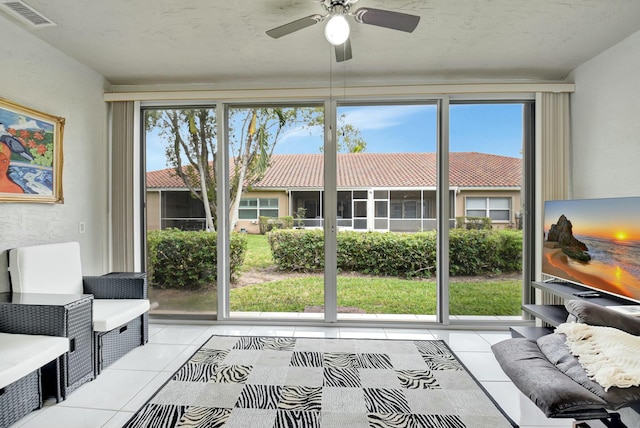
(386, 211)
(337, 216)
(276, 177)
(485, 248)
(181, 213)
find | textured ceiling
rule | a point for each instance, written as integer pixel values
(223, 42)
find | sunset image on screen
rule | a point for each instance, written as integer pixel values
(600, 245)
(621, 236)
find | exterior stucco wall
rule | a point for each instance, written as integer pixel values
(252, 226)
(516, 204)
(154, 211)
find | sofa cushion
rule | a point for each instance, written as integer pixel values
(111, 313)
(553, 347)
(21, 354)
(555, 393)
(594, 314)
(49, 268)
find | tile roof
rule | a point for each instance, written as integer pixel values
(164, 178)
(466, 169)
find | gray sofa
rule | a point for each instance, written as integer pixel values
(554, 380)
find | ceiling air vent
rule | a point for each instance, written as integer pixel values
(26, 13)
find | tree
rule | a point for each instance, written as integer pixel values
(191, 149)
(349, 138)
(261, 129)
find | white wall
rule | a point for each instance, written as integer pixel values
(37, 76)
(606, 123)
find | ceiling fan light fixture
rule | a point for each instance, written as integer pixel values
(337, 30)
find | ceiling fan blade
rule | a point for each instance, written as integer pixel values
(293, 26)
(343, 51)
(387, 19)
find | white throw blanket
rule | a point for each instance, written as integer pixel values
(610, 356)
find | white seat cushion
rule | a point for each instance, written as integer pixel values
(111, 313)
(21, 354)
(50, 268)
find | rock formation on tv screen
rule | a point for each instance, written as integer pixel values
(562, 233)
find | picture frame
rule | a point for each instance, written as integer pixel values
(30, 155)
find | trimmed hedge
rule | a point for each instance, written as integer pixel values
(188, 260)
(269, 223)
(476, 223)
(297, 249)
(473, 252)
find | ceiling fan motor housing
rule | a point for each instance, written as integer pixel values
(338, 6)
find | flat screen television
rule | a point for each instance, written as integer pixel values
(594, 243)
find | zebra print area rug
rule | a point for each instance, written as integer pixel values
(255, 382)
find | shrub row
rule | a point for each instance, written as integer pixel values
(187, 260)
(268, 223)
(469, 222)
(473, 252)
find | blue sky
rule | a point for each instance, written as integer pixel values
(487, 128)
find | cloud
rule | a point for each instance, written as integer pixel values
(380, 117)
(301, 139)
(366, 118)
(302, 131)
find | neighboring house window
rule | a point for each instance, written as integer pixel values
(252, 208)
(182, 211)
(404, 209)
(405, 204)
(497, 209)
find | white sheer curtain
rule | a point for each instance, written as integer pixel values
(122, 186)
(553, 139)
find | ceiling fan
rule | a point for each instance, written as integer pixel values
(337, 28)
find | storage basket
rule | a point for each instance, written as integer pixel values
(20, 398)
(113, 344)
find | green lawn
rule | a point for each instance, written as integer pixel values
(374, 295)
(258, 253)
(381, 296)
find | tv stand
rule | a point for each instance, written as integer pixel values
(554, 315)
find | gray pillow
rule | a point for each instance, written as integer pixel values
(594, 314)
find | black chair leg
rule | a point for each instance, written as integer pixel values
(613, 420)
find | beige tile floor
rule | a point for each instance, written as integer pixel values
(111, 399)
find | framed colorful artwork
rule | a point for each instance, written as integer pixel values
(30, 155)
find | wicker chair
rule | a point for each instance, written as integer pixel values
(120, 305)
(21, 358)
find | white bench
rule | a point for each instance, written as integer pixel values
(120, 305)
(21, 358)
